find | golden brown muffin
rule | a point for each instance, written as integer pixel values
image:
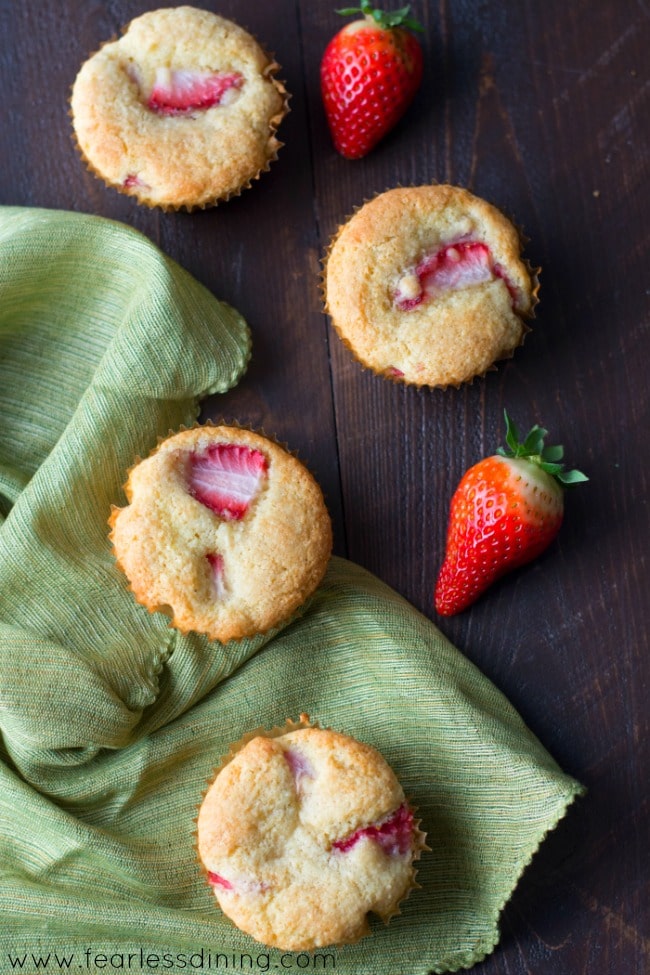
(426, 285)
(303, 835)
(181, 111)
(225, 529)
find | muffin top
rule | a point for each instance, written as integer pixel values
(180, 111)
(225, 529)
(426, 285)
(303, 834)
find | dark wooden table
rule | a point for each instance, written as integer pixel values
(540, 108)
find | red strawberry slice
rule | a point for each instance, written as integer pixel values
(517, 298)
(216, 564)
(218, 881)
(299, 764)
(182, 92)
(133, 181)
(394, 835)
(242, 885)
(226, 477)
(459, 265)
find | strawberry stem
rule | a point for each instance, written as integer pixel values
(386, 19)
(532, 447)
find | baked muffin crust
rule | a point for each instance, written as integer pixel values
(426, 285)
(303, 834)
(225, 529)
(181, 111)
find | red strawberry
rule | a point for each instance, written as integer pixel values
(226, 478)
(458, 265)
(301, 767)
(506, 510)
(218, 881)
(182, 92)
(394, 834)
(216, 563)
(370, 73)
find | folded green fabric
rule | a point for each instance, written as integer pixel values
(112, 723)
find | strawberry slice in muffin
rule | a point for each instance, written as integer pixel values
(225, 528)
(182, 92)
(394, 834)
(226, 477)
(455, 266)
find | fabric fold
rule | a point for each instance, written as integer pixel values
(105, 345)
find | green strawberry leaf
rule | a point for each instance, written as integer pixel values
(386, 19)
(396, 14)
(553, 453)
(534, 442)
(412, 25)
(553, 469)
(571, 477)
(393, 19)
(512, 434)
(532, 448)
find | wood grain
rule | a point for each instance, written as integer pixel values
(543, 110)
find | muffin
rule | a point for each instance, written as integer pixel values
(426, 285)
(181, 111)
(224, 530)
(303, 834)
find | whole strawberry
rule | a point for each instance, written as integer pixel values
(506, 510)
(370, 73)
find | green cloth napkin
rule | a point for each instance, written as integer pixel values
(112, 722)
